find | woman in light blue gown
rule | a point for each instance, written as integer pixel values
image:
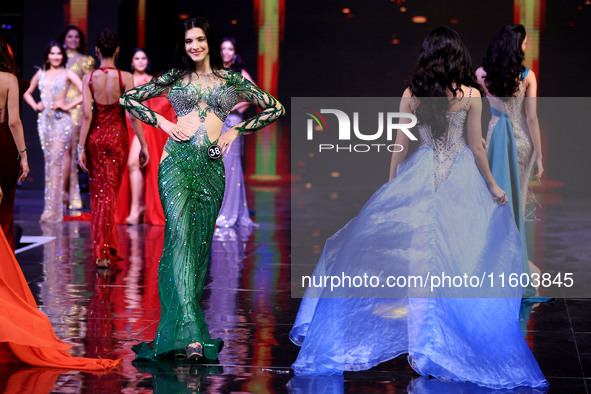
(441, 214)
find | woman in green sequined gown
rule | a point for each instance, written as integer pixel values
(191, 183)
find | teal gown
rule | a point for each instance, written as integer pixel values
(191, 188)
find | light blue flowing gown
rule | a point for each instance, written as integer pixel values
(435, 218)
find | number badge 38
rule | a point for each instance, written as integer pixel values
(214, 151)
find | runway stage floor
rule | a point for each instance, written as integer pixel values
(247, 303)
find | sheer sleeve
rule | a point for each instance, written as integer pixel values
(272, 109)
(132, 99)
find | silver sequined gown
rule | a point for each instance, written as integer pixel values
(515, 108)
(54, 134)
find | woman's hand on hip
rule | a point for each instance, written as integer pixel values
(225, 141)
(173, 130)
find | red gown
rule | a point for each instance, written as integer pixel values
(107, 149)
(155, 139)
(26, 334)
(9, 168)
(8, 177)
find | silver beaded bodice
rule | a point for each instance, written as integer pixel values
(446, 147)
(50, 93)
(214, 92)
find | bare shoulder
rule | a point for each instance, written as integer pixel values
(246, 75)
(37, 74)
(408, 102)
(470, 91)
(127, 79)
(71, 74)
(126, 76)
(7, 78)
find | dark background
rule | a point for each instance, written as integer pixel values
(325, 53)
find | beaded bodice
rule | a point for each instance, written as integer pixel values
(446, 147)
(50, 92)
(513, 106)
(204, 94)
(213, 92)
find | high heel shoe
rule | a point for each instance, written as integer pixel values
(194, 351)
(141, 216)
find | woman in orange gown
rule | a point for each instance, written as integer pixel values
(138, 185)
(26, 334)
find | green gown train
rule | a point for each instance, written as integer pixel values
(191, 190)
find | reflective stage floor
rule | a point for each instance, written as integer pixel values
(247, 303)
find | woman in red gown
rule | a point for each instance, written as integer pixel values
(104, 146)
(138, 185)
(13, 152)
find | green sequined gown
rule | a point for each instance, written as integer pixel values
(191, 190)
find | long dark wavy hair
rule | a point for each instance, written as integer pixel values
(7, 62)
(237, 63)
(62, 38)
(183, 65)
(52, 44)
(503, 62)
(444, 65)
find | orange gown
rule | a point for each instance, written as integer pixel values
(26, 334)
(155, 139)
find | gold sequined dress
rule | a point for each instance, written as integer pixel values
(81, 65)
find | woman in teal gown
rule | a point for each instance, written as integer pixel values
(441, 214)
(513, 138)
(191, 182)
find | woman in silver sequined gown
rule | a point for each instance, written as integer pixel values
(513, 138)
(54, 124)
(522, 113)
